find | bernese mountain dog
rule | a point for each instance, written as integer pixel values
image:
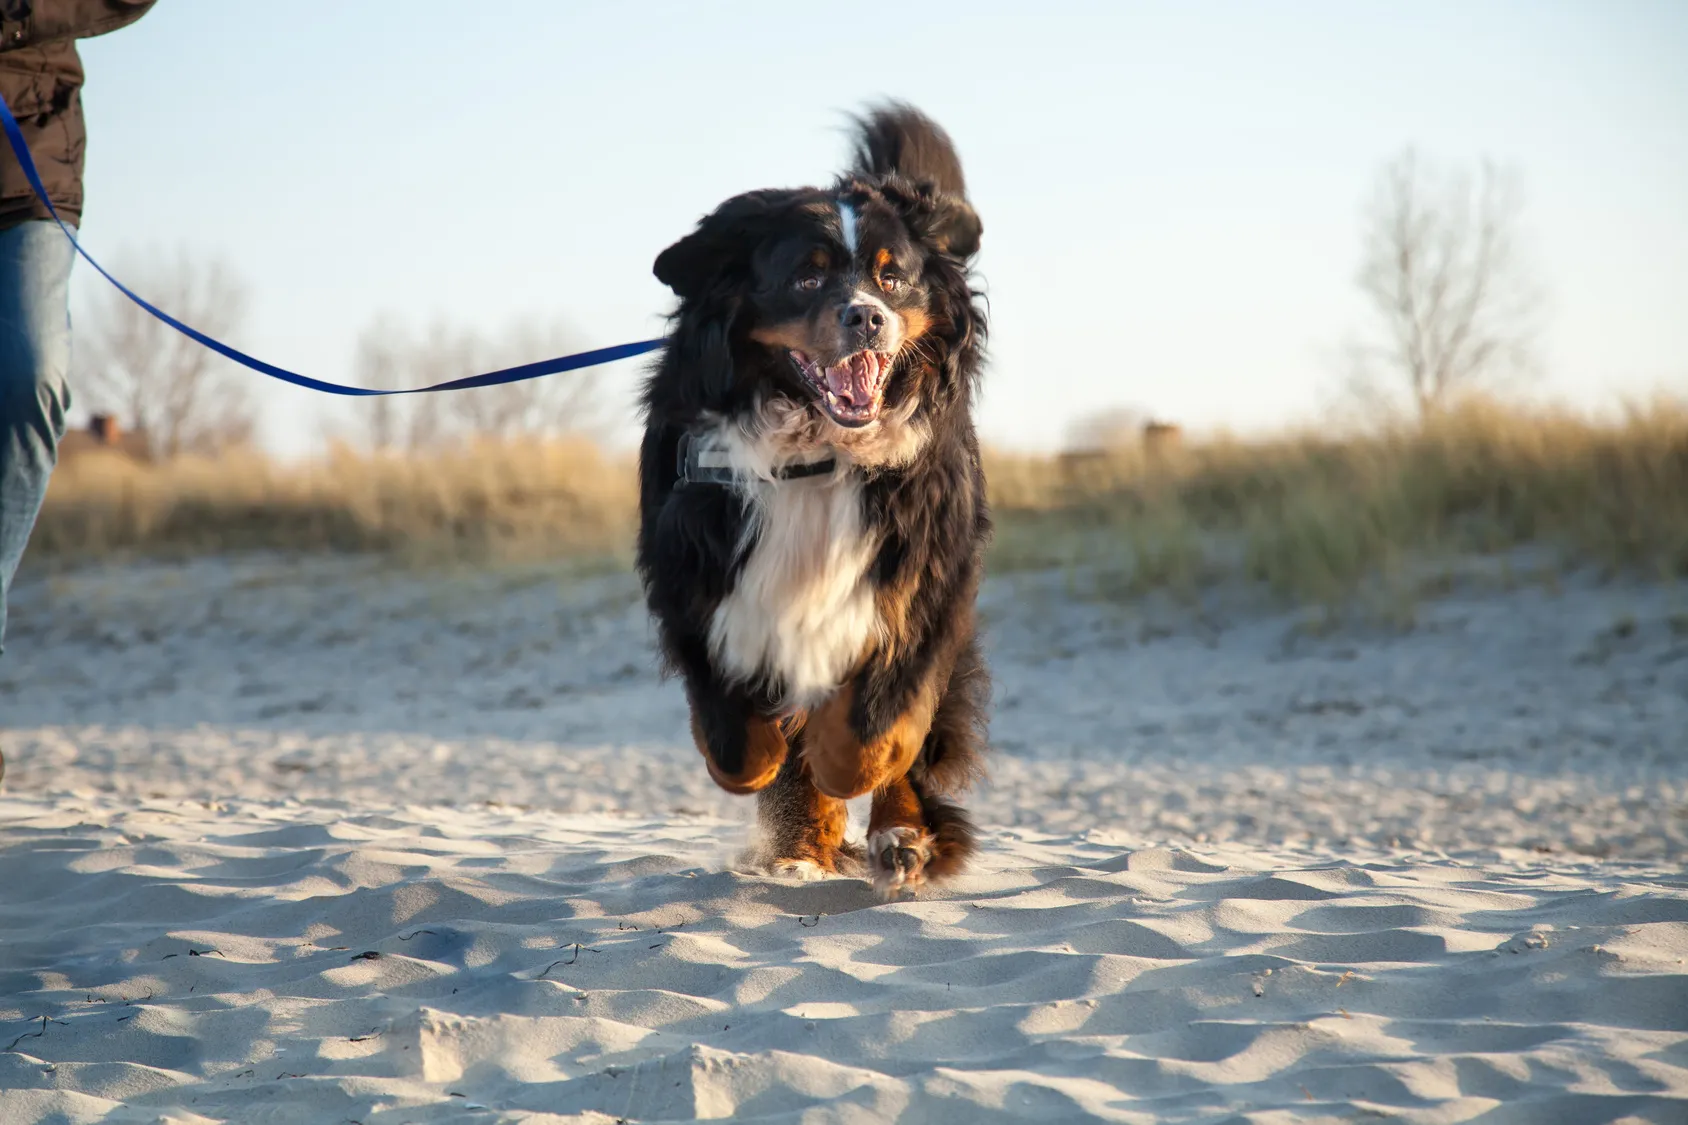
(812, 505)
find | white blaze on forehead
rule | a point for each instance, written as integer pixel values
(847, 219)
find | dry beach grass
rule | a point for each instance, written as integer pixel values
(477, 500)
(1314, 513)
(1311, 514)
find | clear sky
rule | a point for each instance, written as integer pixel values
(1170, 191)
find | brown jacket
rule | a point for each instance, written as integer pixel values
(41, 79)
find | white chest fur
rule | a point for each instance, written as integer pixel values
(802, 610)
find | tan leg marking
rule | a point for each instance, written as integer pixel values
(764, 751)
(898, 842)
(803, 828)
(842, 765)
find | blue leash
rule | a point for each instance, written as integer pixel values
(20, 149)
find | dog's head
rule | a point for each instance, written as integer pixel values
(853, 300)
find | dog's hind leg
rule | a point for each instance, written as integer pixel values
(803, 828)
(913, 837)
(915, 833)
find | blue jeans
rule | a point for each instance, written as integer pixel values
(35, 260)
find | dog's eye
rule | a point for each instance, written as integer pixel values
(891, 283)
(809, 281)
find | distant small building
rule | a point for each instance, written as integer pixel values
(104, 433)
(1159, 437)
(1109, 435)
(1106, 450)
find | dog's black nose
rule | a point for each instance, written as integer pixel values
(865, 319)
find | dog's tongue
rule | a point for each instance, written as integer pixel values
(855, 380)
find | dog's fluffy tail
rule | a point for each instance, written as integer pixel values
(897, 138)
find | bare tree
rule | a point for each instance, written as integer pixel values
(549, 405)
(385, 357)
(183, 396)
(1442, 269)
(389, 356)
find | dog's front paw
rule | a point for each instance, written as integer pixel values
(897, 860)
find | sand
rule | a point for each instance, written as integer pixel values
(324, 842)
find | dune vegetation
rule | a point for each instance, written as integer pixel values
(1308, 514)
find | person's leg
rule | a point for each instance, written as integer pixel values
(35, 259)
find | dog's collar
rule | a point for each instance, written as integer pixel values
(705, 459)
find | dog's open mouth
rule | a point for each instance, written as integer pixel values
(852, 390)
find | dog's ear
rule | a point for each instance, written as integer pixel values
(687, 266)
(722, 242)
(956, 227)
(943, 220)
